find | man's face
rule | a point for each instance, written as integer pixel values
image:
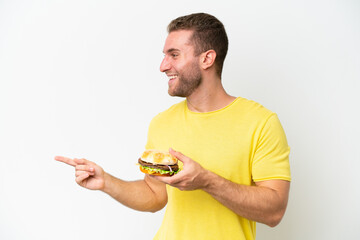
(180, 64)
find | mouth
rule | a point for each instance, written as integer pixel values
(172, 78)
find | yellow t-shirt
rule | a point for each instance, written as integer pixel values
(243, 142)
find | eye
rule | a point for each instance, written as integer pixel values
(174, 55)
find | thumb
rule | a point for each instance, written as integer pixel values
(181, 157)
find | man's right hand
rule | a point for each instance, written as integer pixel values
(88, 174)
(143, 195)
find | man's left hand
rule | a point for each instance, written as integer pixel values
(191, 177)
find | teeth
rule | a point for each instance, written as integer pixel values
(172, 77)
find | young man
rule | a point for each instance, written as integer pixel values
(233, 151)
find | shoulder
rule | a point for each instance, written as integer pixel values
(168, 114)
(264, 121)
(252, 110)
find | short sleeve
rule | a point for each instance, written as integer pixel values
(271, 158)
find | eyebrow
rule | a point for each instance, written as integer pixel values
(170, 50)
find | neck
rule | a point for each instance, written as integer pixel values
(209, 96)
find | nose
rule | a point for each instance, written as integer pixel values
(165, 65)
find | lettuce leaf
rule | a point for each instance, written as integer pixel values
(160, 170)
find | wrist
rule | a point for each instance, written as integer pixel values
(209, 180)
(107, 183)
(212, 182)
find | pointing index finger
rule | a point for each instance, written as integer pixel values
(66, 160)
(81, 161)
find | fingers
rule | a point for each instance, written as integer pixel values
(83, 171)
(83, 161)
(84, 168)
(66, 160)
(79, 164)
(161, 179)
(178, 155)
(87, 173)
(81, 168)
(79, 173)
(80, 161)
(79, 179)
(72, 162)
(168, 180)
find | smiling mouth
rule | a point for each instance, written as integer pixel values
(171, 77)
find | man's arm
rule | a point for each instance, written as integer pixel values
(266, 202)
(142, 195)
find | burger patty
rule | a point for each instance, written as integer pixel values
(174, 167)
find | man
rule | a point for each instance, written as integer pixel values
(234, 151)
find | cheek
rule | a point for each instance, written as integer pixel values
(178, 67)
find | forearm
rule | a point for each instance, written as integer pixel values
(258, 203)
(137, 195)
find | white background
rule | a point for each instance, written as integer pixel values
(81, 79)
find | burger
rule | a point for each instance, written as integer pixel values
(158, 163)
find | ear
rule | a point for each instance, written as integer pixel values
(207, 59)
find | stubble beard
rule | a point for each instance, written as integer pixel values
(188, 82)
